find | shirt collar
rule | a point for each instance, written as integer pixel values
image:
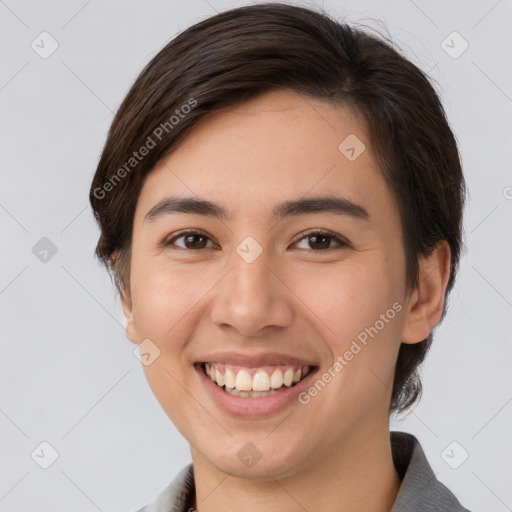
(420, 489)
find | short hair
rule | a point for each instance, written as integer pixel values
(240, 53)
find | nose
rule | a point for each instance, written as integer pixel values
(252, 299)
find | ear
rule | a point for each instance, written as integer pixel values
(425, 304)
(125, 295)
(128, 315)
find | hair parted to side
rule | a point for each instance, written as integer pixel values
(240, 53)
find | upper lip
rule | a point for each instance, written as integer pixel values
(254, 360)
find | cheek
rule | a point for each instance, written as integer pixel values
(349, 297)
(163, 298)
(358, 310)
(166, 309)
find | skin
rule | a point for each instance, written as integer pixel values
(334, 452)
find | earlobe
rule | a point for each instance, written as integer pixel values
(425, 303)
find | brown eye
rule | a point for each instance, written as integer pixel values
(320, 241)
(195, 241)
(191, 240)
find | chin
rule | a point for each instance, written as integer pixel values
(262, 460)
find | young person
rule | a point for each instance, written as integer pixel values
(280, 200)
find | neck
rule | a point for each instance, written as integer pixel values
(359, 475)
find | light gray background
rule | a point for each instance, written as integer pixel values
(69, 377)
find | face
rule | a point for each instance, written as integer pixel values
(315, 291)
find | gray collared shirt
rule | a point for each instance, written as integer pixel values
(420, 490)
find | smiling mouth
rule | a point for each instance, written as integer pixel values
(255, 382)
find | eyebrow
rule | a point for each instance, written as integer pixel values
(197, 206)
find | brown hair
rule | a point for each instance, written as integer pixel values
(239, 53)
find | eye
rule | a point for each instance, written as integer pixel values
(192, 239)
(321, 240)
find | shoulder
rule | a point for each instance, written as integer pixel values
(176, 496)
(420, 489)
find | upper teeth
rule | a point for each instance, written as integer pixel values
(241, 379)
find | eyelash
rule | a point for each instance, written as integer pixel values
(342, 243)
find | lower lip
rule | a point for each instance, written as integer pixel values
(253, 407)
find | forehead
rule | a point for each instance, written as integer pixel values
(280, 145)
